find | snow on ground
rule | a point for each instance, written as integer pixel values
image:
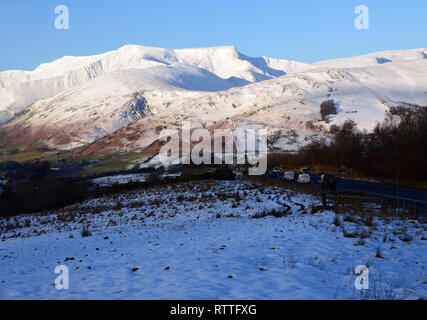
(126, 178)
(119, 179)
(202, 241)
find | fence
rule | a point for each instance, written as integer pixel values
(363, 201)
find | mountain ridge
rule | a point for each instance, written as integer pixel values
(221, 88)
(22, 88)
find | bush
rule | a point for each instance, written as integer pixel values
(378, 253)
(40, 194)
(223, 172)
(86, 232)
(337, 221)
(153, 179)
(327, 108)
(272, 212)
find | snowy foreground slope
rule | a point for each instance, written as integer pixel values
(124, 94)
(209, 240)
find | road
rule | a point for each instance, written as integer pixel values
(407, 197)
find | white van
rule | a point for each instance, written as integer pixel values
(304, 178)
(289, 175)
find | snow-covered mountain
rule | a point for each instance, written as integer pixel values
(18, 89)
(117, 101)
(289, 106)
(374, 59)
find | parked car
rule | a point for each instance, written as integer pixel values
(238, 175)
(305, 170)
(289, 175)
(275, 172)
(171, 176)
(328, 182)
(304, 178)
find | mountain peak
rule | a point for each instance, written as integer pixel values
(376, 58)
(190, 69)
(19, 89)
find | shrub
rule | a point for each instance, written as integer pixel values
(118, 206)
(369, 221)
(378, 253)
(273, 212)
(223, 172)
(42, 193)
(327, 108)
(348, 234)
(334, 129)
(405, 237)
(337, 221)
(360, 242)
(153, 179)
(86, 232)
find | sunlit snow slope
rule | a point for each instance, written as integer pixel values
(124, 96)
(18, 88)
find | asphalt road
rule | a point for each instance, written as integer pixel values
(407, 197)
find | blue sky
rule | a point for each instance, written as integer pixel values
(304, 30)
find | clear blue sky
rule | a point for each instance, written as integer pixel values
(303, 30)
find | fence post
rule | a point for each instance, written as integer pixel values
(384, 207)
(324, 200)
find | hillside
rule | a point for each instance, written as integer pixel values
(18, 89)
(117, 101)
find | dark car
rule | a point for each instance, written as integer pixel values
(305, 170)
(328, 182)
(275, 172)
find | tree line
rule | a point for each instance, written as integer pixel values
(395, 150)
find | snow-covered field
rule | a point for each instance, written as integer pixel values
(126, 178)
(210, 240)
(119, 179)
